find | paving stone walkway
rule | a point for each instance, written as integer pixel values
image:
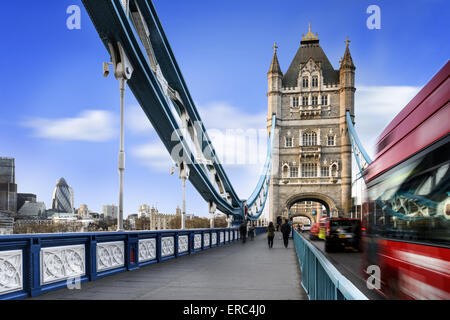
(232, 272)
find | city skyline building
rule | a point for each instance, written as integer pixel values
(32, 209)
(110, 211)
(83, 211)
(8, 186)
(24, 197)
(63, 197)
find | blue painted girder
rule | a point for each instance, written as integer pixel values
(113, 26)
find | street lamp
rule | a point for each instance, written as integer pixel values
(212, 210)
(122, 72)
(183, 171)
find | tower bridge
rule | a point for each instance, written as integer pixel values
(310, 116)
(312, 150)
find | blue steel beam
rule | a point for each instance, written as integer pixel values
(174, 77)
(137, 30)
(113, 26)
(362, 158)
(264, 180)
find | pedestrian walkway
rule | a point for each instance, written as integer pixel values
(233, 272)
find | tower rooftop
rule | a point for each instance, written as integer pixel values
(309, 37)
(310, 49)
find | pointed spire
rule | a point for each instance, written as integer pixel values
(347, 60)
(275, 65)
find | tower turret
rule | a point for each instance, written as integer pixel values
(274, 78)
(347, 103)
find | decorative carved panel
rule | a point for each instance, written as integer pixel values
(110, 255)
(226, 235)
(11, 273)
(214, 238)
(197, 241)
(147, 249)
(183, 243)
(206, 239)
(61, 263)
(221, 236)
(167, 246)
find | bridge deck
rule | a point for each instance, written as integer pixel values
(235, 272)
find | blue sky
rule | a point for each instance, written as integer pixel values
(59, 116)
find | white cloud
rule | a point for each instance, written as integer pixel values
(223, 116)
(153, 155)
(90, 125)
(137, 121)
(375, 107)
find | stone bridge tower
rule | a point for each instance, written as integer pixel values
(312, 150)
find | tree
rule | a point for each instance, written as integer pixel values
(195, 223)
(175, 222)
(142, 223)
(220, 222)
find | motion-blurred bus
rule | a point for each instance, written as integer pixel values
(407, 207)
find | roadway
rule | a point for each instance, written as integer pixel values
(348, 262)
(232, 272)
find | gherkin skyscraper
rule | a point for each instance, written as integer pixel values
(62, 200)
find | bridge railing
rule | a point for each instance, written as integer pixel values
(32, 264)
(320, 279)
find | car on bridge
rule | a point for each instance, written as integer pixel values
(305, 227)
(314, 231)
(342, 233)
(322, 227)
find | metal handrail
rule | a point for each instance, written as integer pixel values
(312, 263)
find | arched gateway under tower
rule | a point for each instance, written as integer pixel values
(312, 150)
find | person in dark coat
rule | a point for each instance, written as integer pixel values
(243, 231)
(270, 234)
(286, 231)
(251, 231)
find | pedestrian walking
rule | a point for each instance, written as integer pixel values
(286, 231)
(252, 232)
(270, 234)
(243, 231)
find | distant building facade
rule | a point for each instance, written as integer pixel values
(8, 186)
(110, 211)
(32, 209)
(158, 220)
(83, 212)
(24, 197)
(6, 224)
(63, 199)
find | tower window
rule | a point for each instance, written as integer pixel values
(314, 100)
(310, 139)
(309, 170)
(305, 101)
(305, 82)
(330, 141)
(293, 172)
(288, 142)
(324, 171)
(315, 81)
(324, 100)
(295, 101)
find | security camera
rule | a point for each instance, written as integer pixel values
(105, 69)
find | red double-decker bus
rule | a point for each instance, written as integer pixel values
(407, 207)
